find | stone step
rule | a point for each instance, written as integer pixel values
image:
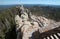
(44, 38)
(52, 37)
(56, 36)
(48, 37)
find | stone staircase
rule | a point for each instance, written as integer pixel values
(52, 34)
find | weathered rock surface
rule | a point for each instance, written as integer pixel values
(28, 27)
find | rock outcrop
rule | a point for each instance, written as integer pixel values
(28, 24)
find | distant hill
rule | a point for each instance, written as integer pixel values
(2, 7)
(27, 5)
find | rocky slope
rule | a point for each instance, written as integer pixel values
(28, 24)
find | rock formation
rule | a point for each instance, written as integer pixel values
(28, 23)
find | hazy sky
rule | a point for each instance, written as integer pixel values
(50, 2)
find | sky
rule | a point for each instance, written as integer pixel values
(48, 2)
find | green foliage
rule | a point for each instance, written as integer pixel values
(7, 24)
(46, 11)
